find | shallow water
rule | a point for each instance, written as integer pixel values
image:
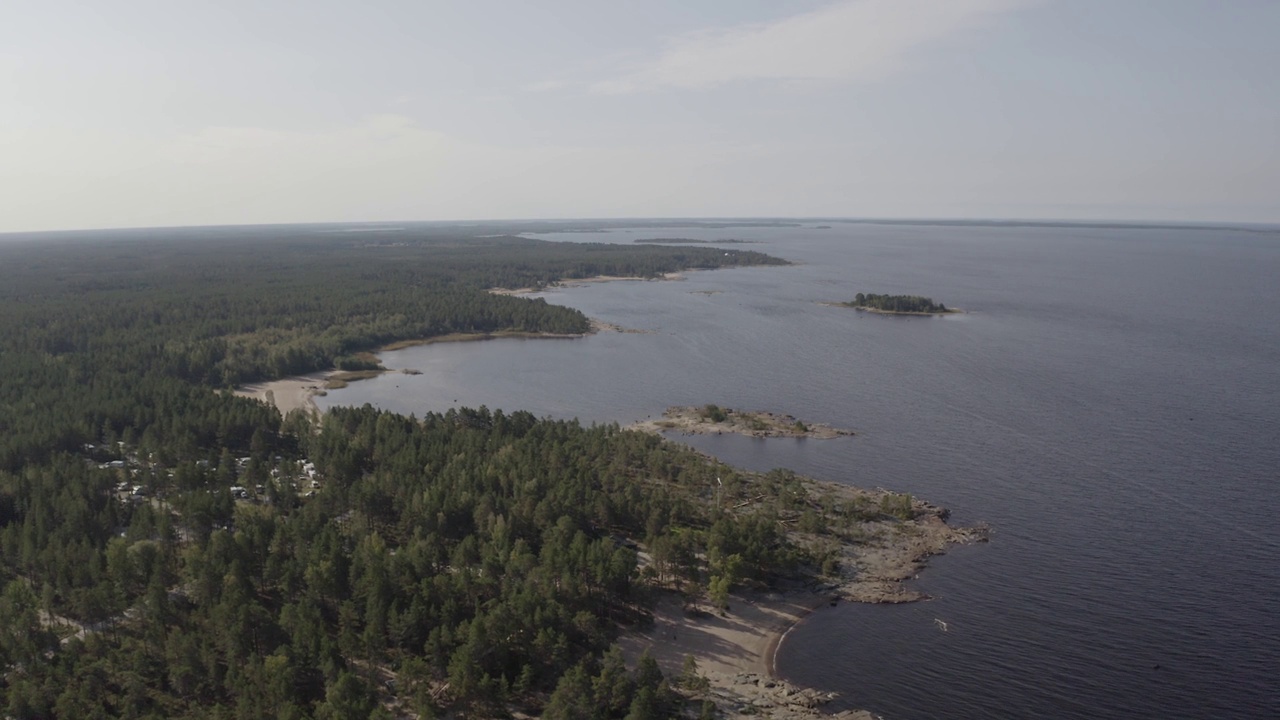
(1110, 405)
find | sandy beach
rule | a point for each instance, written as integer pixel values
(287, 394)
(740, 641)
(735, 650)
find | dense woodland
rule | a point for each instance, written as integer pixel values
(170, 550)
(898, 303)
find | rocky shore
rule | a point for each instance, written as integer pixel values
(715, 420)
(754, 695)
(887, 543)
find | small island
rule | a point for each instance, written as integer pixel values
(713, 419)
(898, 305)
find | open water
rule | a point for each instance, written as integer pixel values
(1110, 406)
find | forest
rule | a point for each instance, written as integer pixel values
(898, 304)
(169, 550)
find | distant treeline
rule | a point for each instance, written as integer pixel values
(897, 303)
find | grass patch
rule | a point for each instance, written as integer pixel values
(402, 344)
(470, 337)
(339, 380)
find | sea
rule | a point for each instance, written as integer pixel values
(1108, 403)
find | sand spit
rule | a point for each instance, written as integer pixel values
(299, 392)
(583, 282)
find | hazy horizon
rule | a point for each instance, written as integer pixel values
(657, 223)
(149, 114)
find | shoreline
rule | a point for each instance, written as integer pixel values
(583, 282)
(737, 650)
(478, 337)
(775, 642)
(299, 391)
(594, 326)
(734, 652)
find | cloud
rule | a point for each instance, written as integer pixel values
(851, 40)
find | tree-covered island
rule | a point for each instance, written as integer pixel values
(897, 304)
(171, 550)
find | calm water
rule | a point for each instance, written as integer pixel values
(1111, 406)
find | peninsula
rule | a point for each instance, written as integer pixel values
(897, 305)
(363, 563)
(713, 419)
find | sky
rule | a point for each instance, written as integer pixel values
(132, 113)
